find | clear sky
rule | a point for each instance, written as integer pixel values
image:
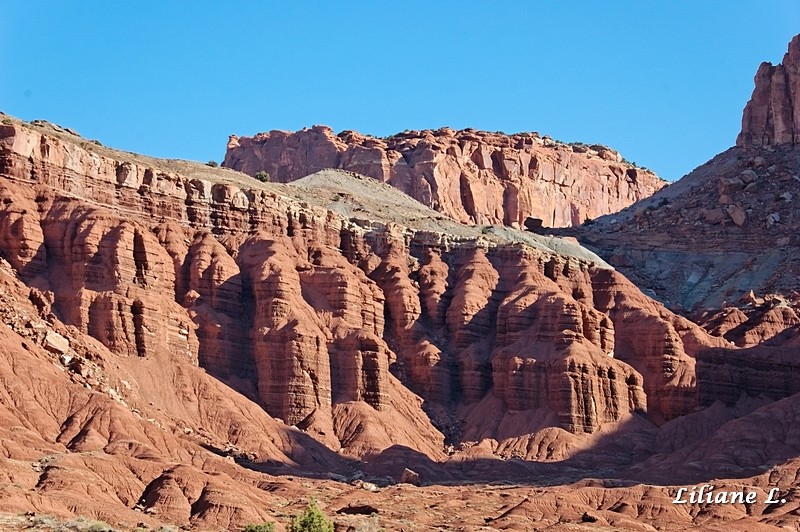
(663, 82)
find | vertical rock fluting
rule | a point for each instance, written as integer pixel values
(289, 344)
(659, 344)
(556, 352)
(470, 321)
(472, 176)
(314, 308)
(214, 298)
(109, 277)
(772, 116)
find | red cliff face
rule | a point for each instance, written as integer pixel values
(312, 309)
(472, 176)
(172, 331)
(772, 116)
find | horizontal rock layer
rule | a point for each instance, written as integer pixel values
(471, 176)
(762, 371)
(312, 309)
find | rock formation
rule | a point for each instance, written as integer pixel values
(179, 339)
(472, 176)
(730, 226)
(279, 299)
(763, 371)
(772, 116)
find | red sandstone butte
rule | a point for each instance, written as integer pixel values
(472, 176)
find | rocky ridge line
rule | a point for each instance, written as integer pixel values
(472, 176)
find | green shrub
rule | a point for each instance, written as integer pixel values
(212, 164)
(261, 527)
(263, 176)
(312, 520)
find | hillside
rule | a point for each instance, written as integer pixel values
(187, 345)
(728, 227)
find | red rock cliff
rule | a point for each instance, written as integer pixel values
(312, 308)
(342, 307)
(472, 176)
(772, 116)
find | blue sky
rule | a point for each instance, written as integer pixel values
(662, 82)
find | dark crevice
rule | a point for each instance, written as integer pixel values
(140, 260)
(137, 310)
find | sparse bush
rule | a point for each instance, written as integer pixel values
(372, 524)
(663, 202)
(312, 520)
(82, 524)
(212, 164)
(261, 527)
(588, 221)
(7, 121)
(263, 176)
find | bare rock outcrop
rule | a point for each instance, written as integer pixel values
(312, 309)
(772, 116)
(727, 374)
(176, 336)
(472, 176)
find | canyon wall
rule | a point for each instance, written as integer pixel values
(314, 308)
(472, 176)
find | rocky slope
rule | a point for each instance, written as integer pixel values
(471, 176)
(183, 343)
(728, 227)
(721, 244)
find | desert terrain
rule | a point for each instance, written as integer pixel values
(368, 323)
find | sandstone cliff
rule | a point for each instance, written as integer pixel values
(312, 309)
(472, 176)
(179, 338)
(772, 116)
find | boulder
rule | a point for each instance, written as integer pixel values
(410, 477)
(748, 176)
(737, 214)
(55, 343)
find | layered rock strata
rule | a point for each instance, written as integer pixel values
(762, 371)
(472, 176)
(312, 308)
